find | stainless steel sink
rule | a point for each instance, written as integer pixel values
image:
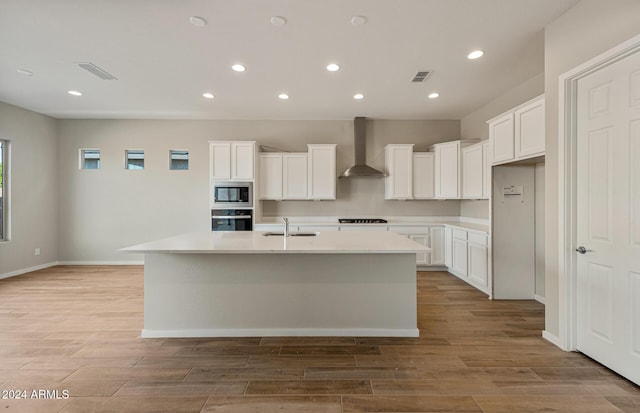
(292, 234)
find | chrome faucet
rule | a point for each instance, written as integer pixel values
(286, 226)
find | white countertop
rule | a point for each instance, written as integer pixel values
(479, 226)
(254, 242)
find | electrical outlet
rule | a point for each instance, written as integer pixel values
(37, 251)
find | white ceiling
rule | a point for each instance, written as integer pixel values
(164, 63)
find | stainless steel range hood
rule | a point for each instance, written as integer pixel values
(360, 147)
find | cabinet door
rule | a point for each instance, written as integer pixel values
(398, 183)
(242, 160)
(270, 178)
(460, 256)
(322, 171)
(220, 160)
(294, 170)
(486, 170)
(437, 245)
(472, 172)
(529, 129)
(422, 258)
(423, 175)
(501, 134)
(448, 247)
(478, 271)
(447, 171)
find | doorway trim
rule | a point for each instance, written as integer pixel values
(567, 174)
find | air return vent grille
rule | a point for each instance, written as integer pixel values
(96, 71)
(422, 76)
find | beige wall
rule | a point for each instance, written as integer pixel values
(474, 126)
(103, 210)
(585, 31)
(34, 195)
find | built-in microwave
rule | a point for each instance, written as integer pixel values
(232, 195)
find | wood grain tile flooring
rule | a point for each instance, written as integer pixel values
(77, 329)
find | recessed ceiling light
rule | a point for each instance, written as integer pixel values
(283, 96)
(198, 21)
(25, 72)
(359, 20)
(358, 96)
(238, 67)
(332, 67)
(475, 54)
(433, 95)
(208, 95)
(74, 93)
(278, 21)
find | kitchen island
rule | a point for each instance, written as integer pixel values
(233, 284)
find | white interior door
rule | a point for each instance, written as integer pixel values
(608, 216)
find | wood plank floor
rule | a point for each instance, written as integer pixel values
(76, 329)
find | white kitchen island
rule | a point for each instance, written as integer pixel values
(233, 284)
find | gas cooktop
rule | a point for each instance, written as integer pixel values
(362, 221)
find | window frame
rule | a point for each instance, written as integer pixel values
(5, 222)
(126, 159)
(81, 159)
(176, 151)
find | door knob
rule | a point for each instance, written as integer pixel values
(583, 250)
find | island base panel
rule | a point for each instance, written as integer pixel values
(235, 295)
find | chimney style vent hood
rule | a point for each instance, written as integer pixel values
(360, 147)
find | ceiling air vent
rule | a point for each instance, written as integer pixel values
(96, 71)
(422, 76)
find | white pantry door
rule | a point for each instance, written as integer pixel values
(608, 216)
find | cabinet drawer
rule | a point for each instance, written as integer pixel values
(479, 239)
(459, 234)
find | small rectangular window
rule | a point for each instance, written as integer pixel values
(4, 194)
(178, 160)
(134, 159)
(90, 159)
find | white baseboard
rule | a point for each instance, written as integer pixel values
(552, 339)
(29, 269)
(281, 332)
(138, 262)
(539, 298)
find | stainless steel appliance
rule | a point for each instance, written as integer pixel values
(362, 221)
(232, 195)
(231, 220)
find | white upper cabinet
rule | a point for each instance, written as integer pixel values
(448, 174)
(270, 177)
(398, 183)
(529, 124)
(501, 136)
(476, 171)
(321, 173)
(294, 173)
(472, 172)
(486, 169)
(519, 133)
(232, 160)
(298, 176)
(423, 180)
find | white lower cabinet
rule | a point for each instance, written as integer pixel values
(429, 236)
(436, 235)
(467, 256)
(477, 264)
(460, 252)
